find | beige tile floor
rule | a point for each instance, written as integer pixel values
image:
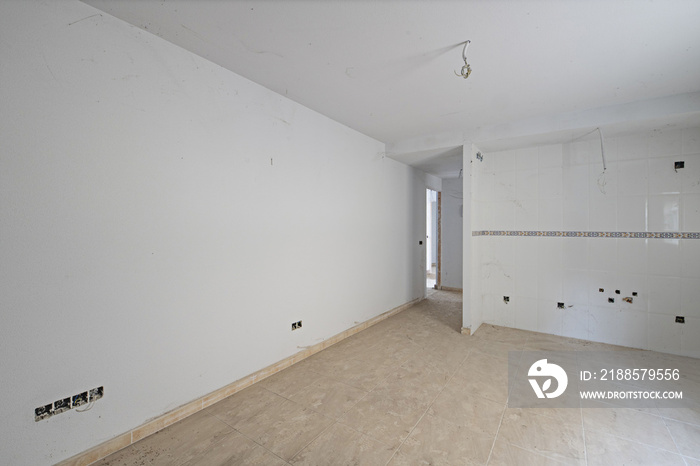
(412, 390)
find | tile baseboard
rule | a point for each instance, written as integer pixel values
(161, 422)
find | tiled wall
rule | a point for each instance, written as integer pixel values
(551, 226)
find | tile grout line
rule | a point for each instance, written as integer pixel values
(428, 407)
(505, 407)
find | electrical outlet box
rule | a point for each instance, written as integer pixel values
(80, 399)
(296, 325)
(60, 406)
(680, 319)
(560, 305)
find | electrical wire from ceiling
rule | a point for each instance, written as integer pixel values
(466, 69)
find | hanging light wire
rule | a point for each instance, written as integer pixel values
(466, 69)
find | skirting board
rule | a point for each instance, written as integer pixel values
(450, 288)
(124, 440)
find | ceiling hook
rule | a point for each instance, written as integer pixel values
(466, 69)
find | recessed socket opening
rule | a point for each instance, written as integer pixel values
(634, 293)
(81, 399)
(617, 291)
(611, 300)
(628, 299)
(296, 325)
(506, 299)
(97, 393)
(601, 290)
(560, 305)
(678, 165)
(61, 405)
(680, 319)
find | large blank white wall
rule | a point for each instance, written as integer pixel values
(162, 223)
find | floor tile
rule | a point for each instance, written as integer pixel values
(505, 454)
(235, 449)
(458, 405)
(542, 434)
(293, 428)
(686, 437)
(382, 418)
(604, 450)
(629, 423)
(343, 445)
(329, 397)
(437, 442)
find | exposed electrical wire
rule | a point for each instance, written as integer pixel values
(466, 69)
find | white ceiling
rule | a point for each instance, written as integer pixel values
(386, 69)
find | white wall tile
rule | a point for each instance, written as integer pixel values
(527, 251)
(575, 285)
(504, 251)
(551, 214)
(526, 184)
(527, 214)
(690, 343)
(575, 253)
(575, 181)
(528, 158)
(550, 182)
(691, 212)
(602, 324)
(632, 147)
(632, 329)
(581, 152)
(602, 253)
(665, 142)
(602, 184)
(628, 283)
(632, 178)
(549, 285)
(664, 212)
(549, 317)
(632, 213)
(526, 313)
(602, 215)
(504, 161)
(690, 175)
(664, 257)
(664, 295)
(504, 186)
(631, 255)
(575, 322)
(664, 334)
(504, 314)
(690, 258)
(549, 252)
(487, 308)
(576, 214)
(690, 297)
(526, 282)
(608, 281)
(663, 177)
(550, 156)
(691, 140)
(504, 215)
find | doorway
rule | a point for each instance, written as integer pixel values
(432, 239)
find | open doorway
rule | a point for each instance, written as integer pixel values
(432, 240)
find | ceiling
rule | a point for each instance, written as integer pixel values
(541, 69)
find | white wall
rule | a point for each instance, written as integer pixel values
(162, 223)
(563, 188)
(451, 232)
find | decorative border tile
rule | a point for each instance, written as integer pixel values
(592, 234)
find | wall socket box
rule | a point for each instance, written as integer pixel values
(70, 402)
(296, 325)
